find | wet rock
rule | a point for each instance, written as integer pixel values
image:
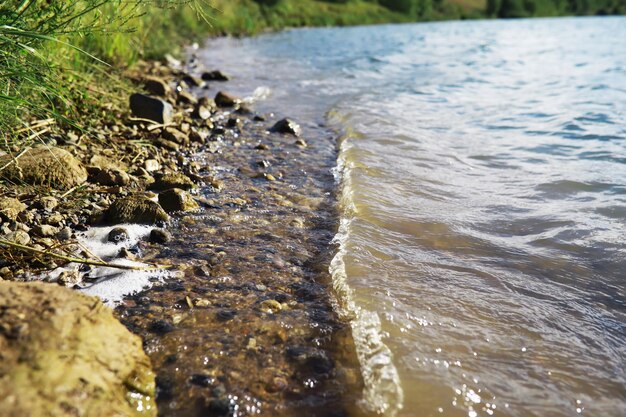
(176, 199)
(117, 235)
(173, 180)
(64, 354)
(10, 208)
(19, 236)
(112, 176)
(223, 99)
(226, 315)
(135, 209)
(159, 236)
(46, 203)
(45, 230)
(47, 166)
(301, 143)
(215, 76)
(157, 86)
(146, 107)
(271, 306)
(161, 327)
(287, 126)
(201, 380)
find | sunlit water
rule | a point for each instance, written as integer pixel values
(483, 175)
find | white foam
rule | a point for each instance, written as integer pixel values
(382, 393)
(113, 284)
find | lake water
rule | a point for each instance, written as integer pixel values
(482, 168)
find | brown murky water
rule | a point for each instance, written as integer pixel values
(248, 328)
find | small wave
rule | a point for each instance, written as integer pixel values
(382, 392)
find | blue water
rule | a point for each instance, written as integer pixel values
(482, 249)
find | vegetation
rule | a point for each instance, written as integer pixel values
(58, 58)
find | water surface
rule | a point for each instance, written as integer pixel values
(483, 166)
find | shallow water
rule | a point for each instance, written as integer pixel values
(483, 165)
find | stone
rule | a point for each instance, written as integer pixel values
(47, 166)
(173, 180)
(46, 203)
(214, 76)
(176, 199)
(150, 108)
(19, 236)
(201, 112)
(45, 230)
(192, 81)
(64, 354)
(117, 235)
(287, 126)
(184, 97)
(223, 99)
(270, 306)
(156, 86)
(55, 219)
(151, 165)
(10, 208)
(64, 234)
(69, 278)
(112, 176)
(175, 135)
(159, 236)
(167, 144)
(135, 209)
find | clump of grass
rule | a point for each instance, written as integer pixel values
(53, 51)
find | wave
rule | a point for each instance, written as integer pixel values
(382, 393)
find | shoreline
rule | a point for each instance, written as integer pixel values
(268, 274)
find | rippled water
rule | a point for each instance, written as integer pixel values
(483, 164)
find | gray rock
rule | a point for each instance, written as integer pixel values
(135, 209)
(146, 107)
(287, 126)
(223, 99)
(176, 199)
(10, 208)
(64, 234)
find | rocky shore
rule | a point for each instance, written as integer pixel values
(241, 209)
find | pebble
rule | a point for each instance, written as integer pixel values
(159, 236)
(117, 235)
(44, 230)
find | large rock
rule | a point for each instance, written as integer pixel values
(63, 353)
(176, 199)
(135, 209)
(44, 165)
(146, 107)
